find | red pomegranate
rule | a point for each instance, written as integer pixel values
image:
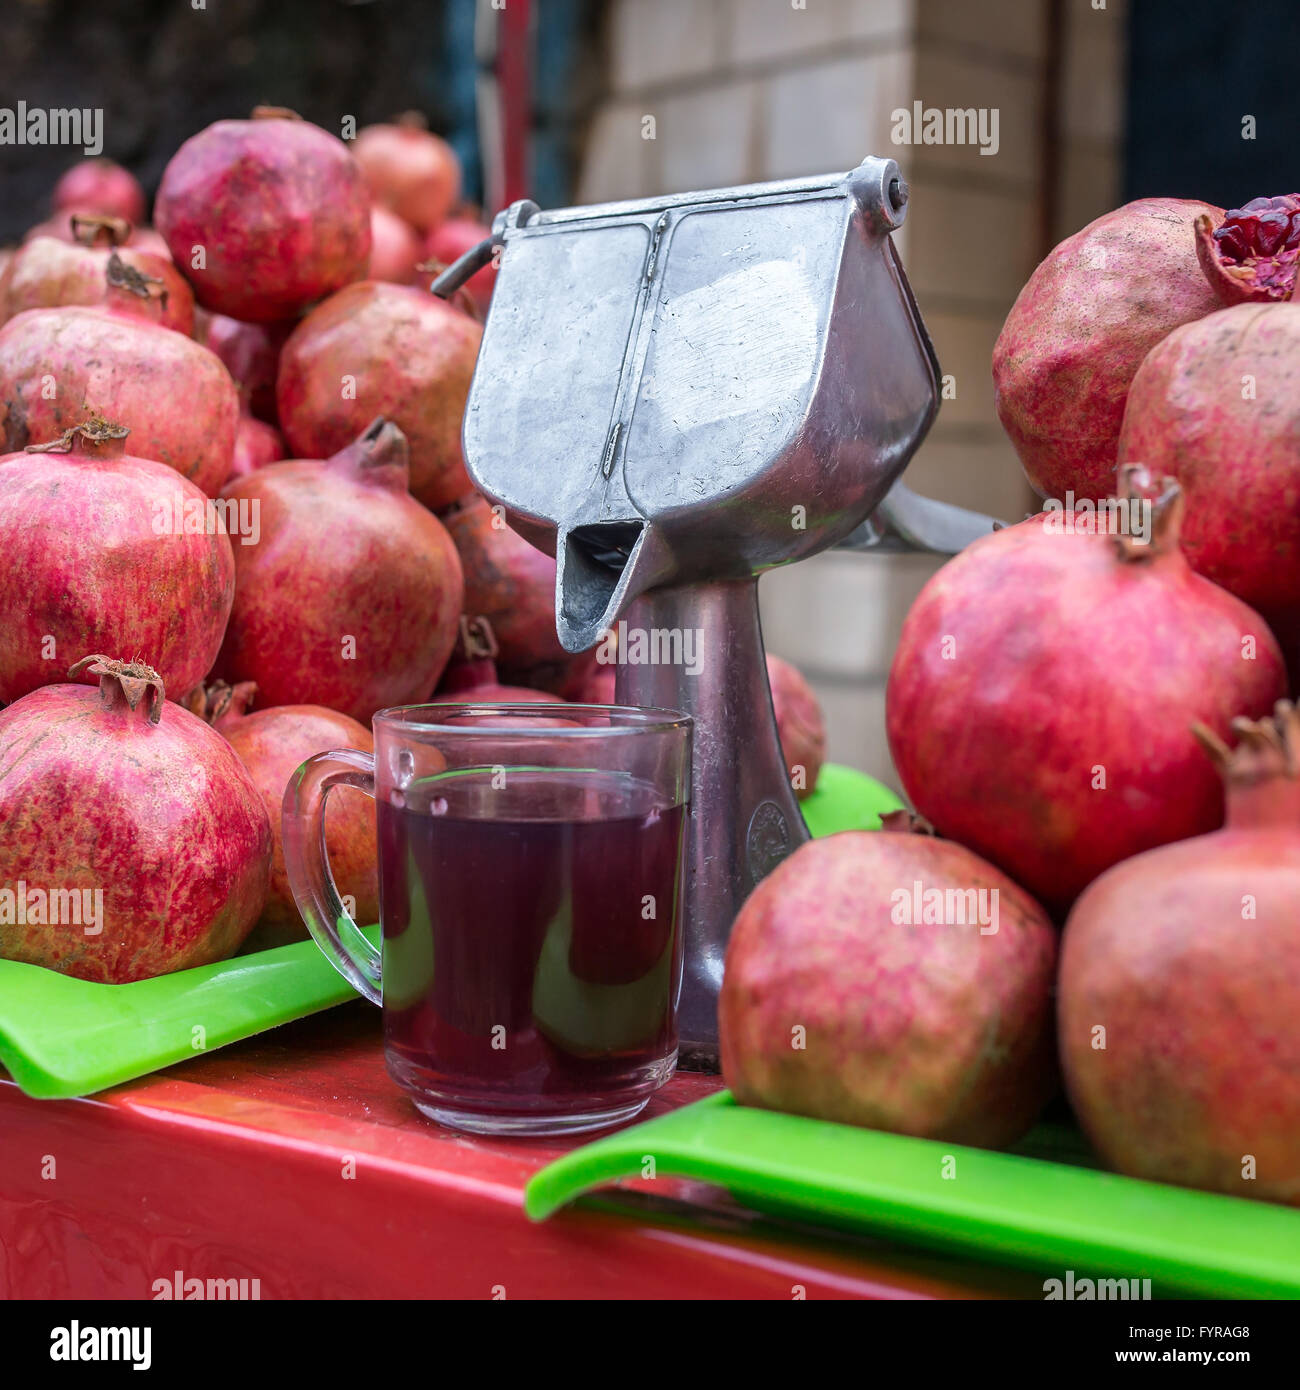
(1180, 972)
(409, 170)
(100, 186)
(256, 445)
(251, 352)
(1251, 255)
(894, 981)
(272, 744)
(510, 583)
(132, 823)
(395, 249)
(449, 241)
(1040, 704)
(800, 725)
(376, 349)
(47, 272)
(471, 673)
(57, 366)
(97, 554)
(265, 216)
(1079, 331)
(1216, 405)
(350, 596)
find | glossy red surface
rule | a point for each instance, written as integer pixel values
(294, 1160)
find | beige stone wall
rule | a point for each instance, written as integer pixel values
(735, 91)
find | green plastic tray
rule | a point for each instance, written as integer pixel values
(1048, 1217)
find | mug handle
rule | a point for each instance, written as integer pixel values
(306, 860)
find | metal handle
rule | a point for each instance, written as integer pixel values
(460, 270)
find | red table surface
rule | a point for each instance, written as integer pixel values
(294, 1160)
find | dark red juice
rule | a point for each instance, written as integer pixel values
(532, 951)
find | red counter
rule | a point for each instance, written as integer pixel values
(294, 1161)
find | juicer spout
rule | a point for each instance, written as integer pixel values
(600, 568)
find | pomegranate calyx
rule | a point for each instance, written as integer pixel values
(379, 454)
(1266, 748)
(218, 700)
(412, 120)
(274, 113)
(906, 823)
(89, 229)
(1137, 484)
(1252, 256)
(121, 276)
(132, 679)
(93, 430)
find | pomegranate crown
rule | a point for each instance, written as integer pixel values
(217, 700)
(121, 276)
(134, 679)
(1266, 748)
(94, 430)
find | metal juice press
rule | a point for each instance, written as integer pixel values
(672, 396)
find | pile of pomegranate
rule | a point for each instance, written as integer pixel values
(1089, 709)
(236, 523)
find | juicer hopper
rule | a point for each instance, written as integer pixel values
(672, 396)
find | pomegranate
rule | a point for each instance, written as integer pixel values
(264, 216)
(510, 583)
(409, 170)
(350, 597)
(895, 981)
(256, 445)
(59, 365)
(1180, 970)
(125, 813)
(1250, 256)
(471, 674)
(273, 744)
(800, 725)
(97, 554)
(395, 250)
(100, 186)
(1217, 406)
(389, 350)
(251, 352)
(1079, 331)
(1041, 699)
(449, 241)
(48, 272)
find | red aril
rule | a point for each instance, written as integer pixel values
(47, 272)
(97, 556)
(57, 366)
(121, 805)
(1079, 331)
(377, 349)
(1041, 699)
(1250, 255)
(1180, 971)
(409, 170)
(264, 216)
(1217, 406)
(100, 186)
(350, 595)
(895, 981)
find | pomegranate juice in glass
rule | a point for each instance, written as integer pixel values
(530, 862)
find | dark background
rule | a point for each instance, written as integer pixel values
(163, 70)
(1196, 67)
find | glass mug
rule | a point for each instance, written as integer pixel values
(530, 888)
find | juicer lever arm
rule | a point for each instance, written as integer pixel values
(907, 521)
(460, 270)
